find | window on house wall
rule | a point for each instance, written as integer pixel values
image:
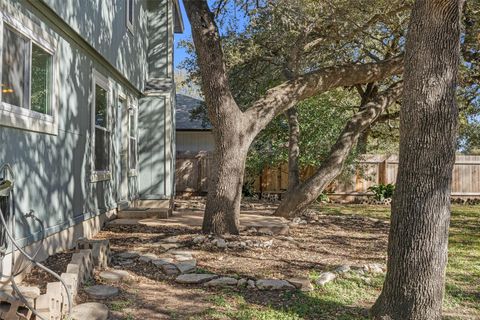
(26, 80)
(101, 132)
(132, 139)
(130, 18)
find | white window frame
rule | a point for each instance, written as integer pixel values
(102, 81)
(132, 109)
(130, 24)
(16, 116)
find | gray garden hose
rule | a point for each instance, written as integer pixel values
(5, 191)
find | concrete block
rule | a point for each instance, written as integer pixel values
(71, 280)
(84, 261)
(58, 298)
(13, 308)
(49, 305)
(74, 268)
(42, 302)
(101, 254)
(88, 258)
(54, 293)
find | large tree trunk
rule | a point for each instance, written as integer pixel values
(296, 201)
(293, 149)
(417, 248)
(234, 130)
(225, 184)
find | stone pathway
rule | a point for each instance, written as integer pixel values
(181, 265)
(114, 275)
(101, 291)
(191, 218)
(90, 311)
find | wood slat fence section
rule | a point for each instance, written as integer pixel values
(192, 171)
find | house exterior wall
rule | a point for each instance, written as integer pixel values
(103, 25)
(194, 141)
(54, 170)
(157, 107)
(156, 147)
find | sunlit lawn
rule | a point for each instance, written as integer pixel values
(350, 297)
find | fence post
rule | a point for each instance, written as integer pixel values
(382, 171)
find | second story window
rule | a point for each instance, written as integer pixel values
(26, 73)
(130, 19)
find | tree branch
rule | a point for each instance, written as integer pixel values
(288, 94)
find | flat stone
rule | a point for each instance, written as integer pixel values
(195, 278)
(187, 266)
(128, 255)
(90, 311)
(182, 255)
(173, 239)
(222, 282)
(168, 246)
(373, 268)
(162, 261)
(273, 284)
(101, 291)
(267, 244)
(325, 278)
(242, 283)
(251, 284)
(126, 262)
(343, 269)
(183, 252)
(220, 243)
(114, 275)
(265, 231)
(170, 269)
(302, 284)
(182, 258)
(199, 239)
(147, 257)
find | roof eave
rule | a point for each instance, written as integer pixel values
(179, 26)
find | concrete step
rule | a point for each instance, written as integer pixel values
(143, 213)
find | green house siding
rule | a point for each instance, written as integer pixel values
(156, 147)
(54, 171)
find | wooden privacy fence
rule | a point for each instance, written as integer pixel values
(191, 172)
(193, 169)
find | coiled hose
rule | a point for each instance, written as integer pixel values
(13, 243)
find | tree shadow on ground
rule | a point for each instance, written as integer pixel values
(290, 305)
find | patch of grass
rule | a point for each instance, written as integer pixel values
(203, 271)
(350, 296)
(119, 305)
(219, 300)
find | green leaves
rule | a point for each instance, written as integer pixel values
(382, 191)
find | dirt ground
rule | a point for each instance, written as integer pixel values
(321, 244)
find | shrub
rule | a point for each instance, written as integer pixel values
(382, 191)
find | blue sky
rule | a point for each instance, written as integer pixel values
(235, 16)
(180, 53)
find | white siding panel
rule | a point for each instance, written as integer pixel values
(194, 141)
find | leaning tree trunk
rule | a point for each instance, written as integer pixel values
(417, 246)
(293, 149)
(297, 200)
(362, 142)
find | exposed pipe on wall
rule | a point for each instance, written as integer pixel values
(7, 193)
